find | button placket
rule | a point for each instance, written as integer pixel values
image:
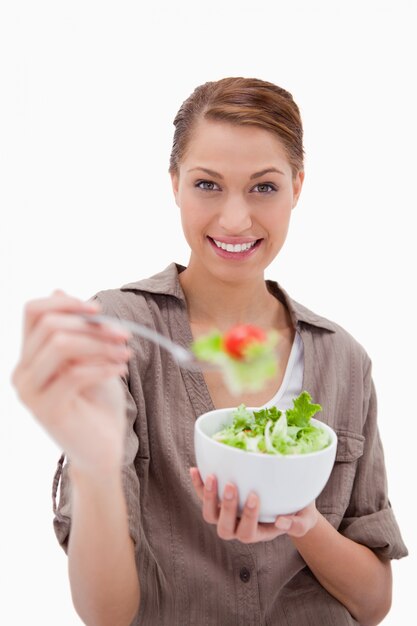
(248, 610)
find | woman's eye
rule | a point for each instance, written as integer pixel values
(265, 188)
(206, 185)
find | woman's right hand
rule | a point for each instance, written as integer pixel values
(68, 375)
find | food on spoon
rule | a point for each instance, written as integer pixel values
(270, 431)
(240, 337)
(246, 354)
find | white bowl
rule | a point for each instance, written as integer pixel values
(284, 484)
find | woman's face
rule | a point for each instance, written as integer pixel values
(236, 190)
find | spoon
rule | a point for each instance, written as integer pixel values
(185, 358)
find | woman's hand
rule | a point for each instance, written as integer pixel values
(68, 376)
(247, 529)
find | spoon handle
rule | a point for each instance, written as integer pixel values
(183, 356)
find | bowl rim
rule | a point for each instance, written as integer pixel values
(326, 450)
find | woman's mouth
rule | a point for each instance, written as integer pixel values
(229, 250)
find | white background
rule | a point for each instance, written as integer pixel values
(88, 94)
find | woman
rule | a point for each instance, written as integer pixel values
(147, 542)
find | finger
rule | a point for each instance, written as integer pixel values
(267, 532)
(210, 500)
(51, 323)
(58, 302)
(80, 377)
(283, 523)
(247, 528)
(226, 525)
(298, 528)
(63, 349)
(197, 482)
(70, 379)
(298, 525)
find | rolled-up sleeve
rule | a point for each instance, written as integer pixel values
(61, 488)
(369, 518)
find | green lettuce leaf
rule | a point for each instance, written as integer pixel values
(249, 374)
(270, 431)
(303, 410)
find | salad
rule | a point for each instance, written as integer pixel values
(272, 432)
(246, 355)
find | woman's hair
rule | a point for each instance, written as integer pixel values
(241, 101)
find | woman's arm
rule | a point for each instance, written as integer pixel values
(68, 375)
(351, 572)
(101, 553)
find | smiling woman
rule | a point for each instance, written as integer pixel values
(148, 542)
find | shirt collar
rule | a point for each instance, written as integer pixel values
(167, 283)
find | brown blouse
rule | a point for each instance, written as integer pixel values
(188, 575)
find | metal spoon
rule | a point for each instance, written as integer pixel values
(184, 357)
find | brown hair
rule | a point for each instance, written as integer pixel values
(246, 101)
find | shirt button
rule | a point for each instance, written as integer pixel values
(244, 574)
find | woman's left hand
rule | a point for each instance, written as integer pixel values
(247, 528)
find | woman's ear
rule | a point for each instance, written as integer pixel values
(175, 183)
(297, 185)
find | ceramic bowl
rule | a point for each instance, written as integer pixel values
(285, 484)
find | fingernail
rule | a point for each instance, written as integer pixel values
(228, 492)
(209, 483)
(252, 501)
(283, 523)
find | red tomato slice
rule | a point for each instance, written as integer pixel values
(238, 338)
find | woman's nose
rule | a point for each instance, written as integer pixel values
(235, 217)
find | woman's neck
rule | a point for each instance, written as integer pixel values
(213, 302)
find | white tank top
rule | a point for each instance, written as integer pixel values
(292, 383)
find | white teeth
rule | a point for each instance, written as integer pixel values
(239, 247)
